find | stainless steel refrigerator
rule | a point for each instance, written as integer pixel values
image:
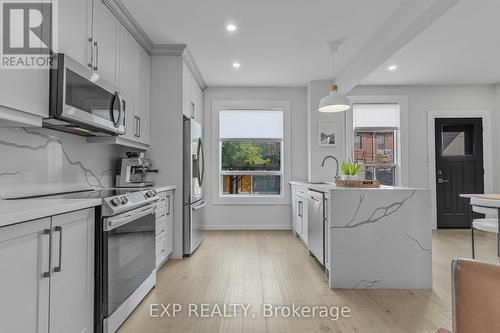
(194, 172)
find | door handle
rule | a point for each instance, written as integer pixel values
(441, 181)
(59, 265)
(49, 233)
(96, 67)
(91, 62)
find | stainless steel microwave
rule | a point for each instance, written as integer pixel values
(82, 102)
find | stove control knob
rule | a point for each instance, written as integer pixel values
(154, 192)
(116, 202)
(124, 199)
(149, 194)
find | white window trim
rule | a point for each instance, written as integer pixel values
(402, 140)
(284, 197)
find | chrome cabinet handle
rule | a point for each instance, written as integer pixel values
(96, 67)
(136, 126)
(441, 181)
(59, 266)
(49, 233)
(168, 204)
(301, 205)
(91, 62)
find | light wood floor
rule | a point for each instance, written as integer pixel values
(257, 267)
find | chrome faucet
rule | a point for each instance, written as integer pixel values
(337, 163)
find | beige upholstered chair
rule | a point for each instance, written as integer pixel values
(475, 297)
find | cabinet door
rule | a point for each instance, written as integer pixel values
(127, 69)
(186, 91)
(105, 36)
(32, 98)
(196, 100)
(75, 28)
(71, 284)
(169, 240)
(305, 234)
(24, 257)
(143, 94)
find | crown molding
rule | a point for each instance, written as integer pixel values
(180, 50)
(155, 50)
(129, 22)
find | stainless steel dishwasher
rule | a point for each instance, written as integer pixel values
(316, 225)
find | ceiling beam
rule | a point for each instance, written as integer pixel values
(407, 22)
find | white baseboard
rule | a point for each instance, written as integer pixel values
(248, 227)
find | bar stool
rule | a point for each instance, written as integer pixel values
(491, 208)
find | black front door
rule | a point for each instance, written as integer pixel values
(459, 168)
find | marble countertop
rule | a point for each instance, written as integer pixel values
(163, 188)
(331, 186)
(17, 211)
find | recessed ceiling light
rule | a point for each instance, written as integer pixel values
(392, 67)
(231, 27)
(236, 65)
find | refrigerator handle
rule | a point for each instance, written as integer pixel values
(201, 168)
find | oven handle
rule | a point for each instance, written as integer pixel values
(114, 222)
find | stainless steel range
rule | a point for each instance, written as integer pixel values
(124, 252)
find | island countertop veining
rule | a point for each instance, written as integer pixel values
(377, 238)
(23, 210)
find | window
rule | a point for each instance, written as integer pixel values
(251, 152)
(376, 126)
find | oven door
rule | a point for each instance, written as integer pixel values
(83, 97)
(129, 250)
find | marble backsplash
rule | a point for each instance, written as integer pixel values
(38, 161)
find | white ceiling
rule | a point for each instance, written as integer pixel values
(462, 47)
(278, 42)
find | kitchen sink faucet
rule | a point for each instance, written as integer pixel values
(336, 162)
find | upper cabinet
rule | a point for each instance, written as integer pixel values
(105, 27)
(192, 96)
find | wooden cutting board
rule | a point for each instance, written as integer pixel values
(358, 183)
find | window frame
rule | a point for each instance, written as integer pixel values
(218, 198)
(402, 153)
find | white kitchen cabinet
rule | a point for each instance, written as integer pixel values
(192, 96)
(105, 27)
(75, 28)
(127, 68)
(143, 97)
(186, 91)
(164, 227)
(24, 256)
(300, 213)
(27, 304)
(71, 283)
(24, 97)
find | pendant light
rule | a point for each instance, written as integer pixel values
(335, 101)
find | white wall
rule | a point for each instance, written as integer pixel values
(315, 91)
(256, 216)
(424, 98)
(496, 139)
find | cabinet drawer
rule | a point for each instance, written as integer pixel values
(161, 252)
(161, 227)
(165, 200)
(161, 213)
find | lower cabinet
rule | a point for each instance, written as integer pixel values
(164, 227)
(299, 212)
(57, 252)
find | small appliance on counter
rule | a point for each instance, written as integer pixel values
(133, 170)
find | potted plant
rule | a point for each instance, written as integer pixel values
(350, 170)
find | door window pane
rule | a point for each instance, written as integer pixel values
(457, 140)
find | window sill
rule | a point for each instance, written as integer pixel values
(252, 200)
